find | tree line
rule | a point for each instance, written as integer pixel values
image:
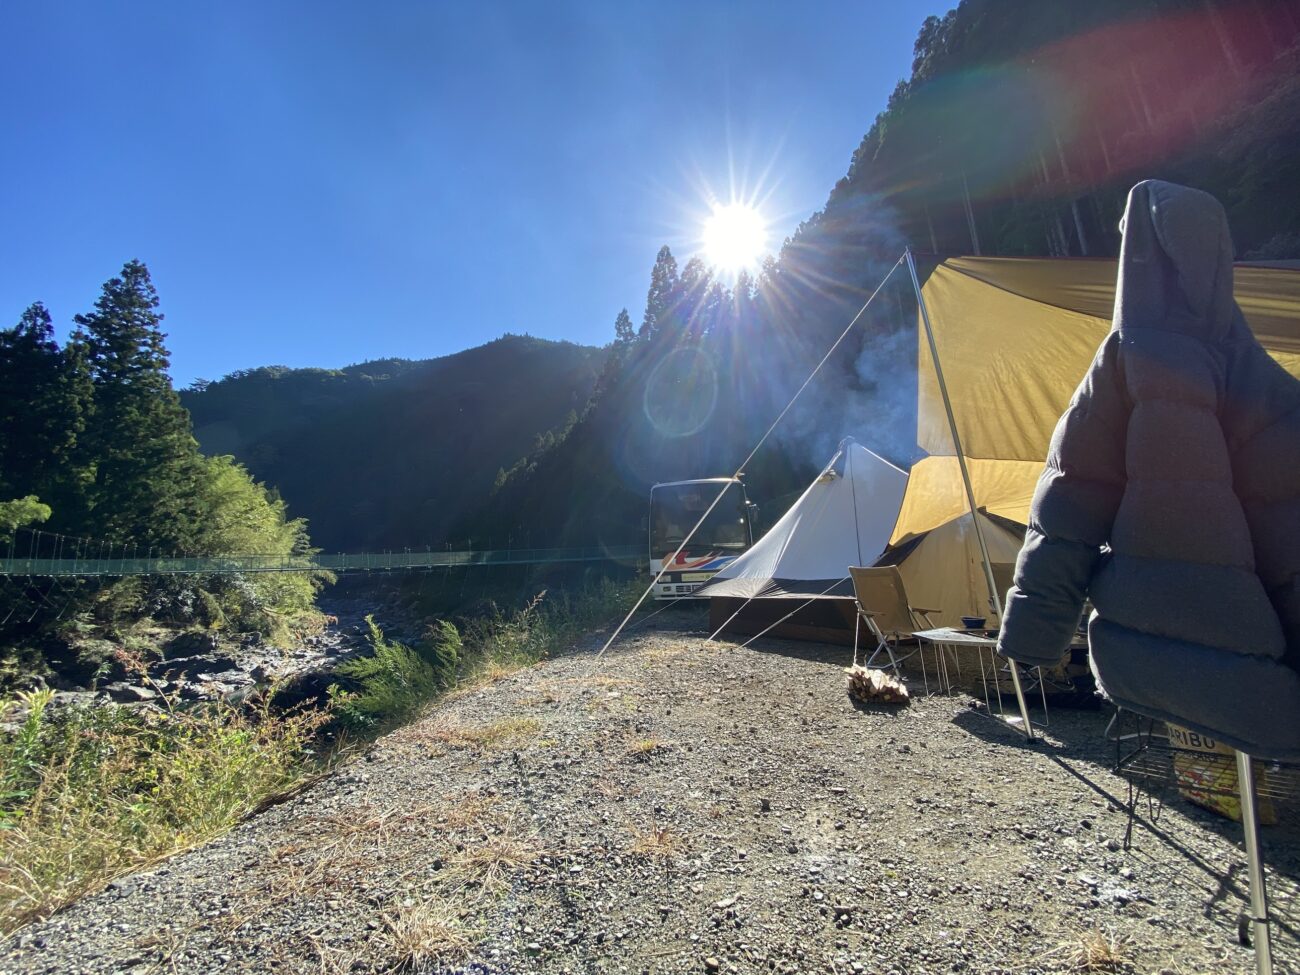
(94, 443)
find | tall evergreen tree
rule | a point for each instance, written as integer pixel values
(616, 361)
(146, 466)
(39, 414)
(662, 297)
(623, 332)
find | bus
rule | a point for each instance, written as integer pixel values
(675, 507)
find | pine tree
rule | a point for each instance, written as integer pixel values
(39, 415)
(146, 467)
(623, 333)
(701, 299)
(662, 297)
(616, 360)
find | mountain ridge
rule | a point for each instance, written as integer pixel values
(418, 440)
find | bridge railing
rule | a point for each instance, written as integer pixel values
(338, 562)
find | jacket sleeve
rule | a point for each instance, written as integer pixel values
(1071, 516)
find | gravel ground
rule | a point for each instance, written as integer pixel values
(679, 806)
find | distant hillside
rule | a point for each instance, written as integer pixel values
(386, 454)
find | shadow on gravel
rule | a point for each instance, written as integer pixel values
(884, 710)
(1075, 744)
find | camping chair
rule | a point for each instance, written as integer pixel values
(882, 603)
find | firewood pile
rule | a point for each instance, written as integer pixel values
(873, 686)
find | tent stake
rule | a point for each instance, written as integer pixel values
(994, 596)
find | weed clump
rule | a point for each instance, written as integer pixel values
(90, 792)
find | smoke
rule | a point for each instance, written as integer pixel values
(867, 390)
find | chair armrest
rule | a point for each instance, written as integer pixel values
(924, 612)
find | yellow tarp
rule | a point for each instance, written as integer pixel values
(1015, 336)
(935, 495)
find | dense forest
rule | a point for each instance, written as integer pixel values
(387, 454)
(1019, 132)
(95, 451)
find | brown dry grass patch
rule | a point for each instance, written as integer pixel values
(645, 747)
(504, 849)
(495, 734)
(425, 934)
(1096, 951)
(471, 809)
(657, 843)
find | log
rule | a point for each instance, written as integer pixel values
(875, 686)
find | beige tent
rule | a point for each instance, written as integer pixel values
(1015, 336)
(943, 569)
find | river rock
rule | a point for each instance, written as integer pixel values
(124, 693)
(192, 644)
(192, 666)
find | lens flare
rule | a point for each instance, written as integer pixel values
(734, 238)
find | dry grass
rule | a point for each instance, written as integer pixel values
(331, 855)
(659, 653)
(645, 747)
(1095, 951)
(504, 849)
(608, 788)
(657, 843)
(496, 734)
(470, 809)
(613, 702)
(423, 935)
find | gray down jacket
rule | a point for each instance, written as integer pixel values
(1171, 498)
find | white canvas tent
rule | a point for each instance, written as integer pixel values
(844, 518)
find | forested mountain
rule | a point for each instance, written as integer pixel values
(1024, 124)
(386, 454)
(1019, 132)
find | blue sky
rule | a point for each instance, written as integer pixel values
(323, 183)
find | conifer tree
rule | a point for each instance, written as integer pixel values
(624, 337)
(662, 297)
(623, 332)
(700, 299)
(39, 414)
(146, 466)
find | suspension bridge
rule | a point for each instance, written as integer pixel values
(60, 566)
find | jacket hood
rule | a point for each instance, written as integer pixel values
(1175, 263)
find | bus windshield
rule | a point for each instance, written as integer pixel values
(675, 508)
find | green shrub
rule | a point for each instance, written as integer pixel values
(393, 682)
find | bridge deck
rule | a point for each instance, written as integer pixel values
(340, 562)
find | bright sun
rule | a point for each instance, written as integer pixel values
(735, 237)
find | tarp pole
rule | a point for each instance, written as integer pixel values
(995, 596)
(1259, 921)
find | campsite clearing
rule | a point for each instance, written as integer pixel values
(683, 807)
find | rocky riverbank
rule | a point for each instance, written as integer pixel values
(679, 807)
(198, 666)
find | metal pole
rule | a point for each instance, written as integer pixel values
(1259, 931)
(996, 597)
